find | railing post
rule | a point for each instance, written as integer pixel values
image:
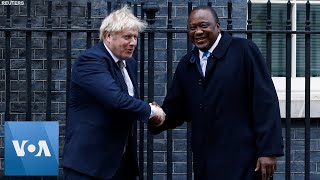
(49, 62)
(28, 62)
(89, 26)
(269, 37)
(135, 56)
(109, 8)
(288, 93)
(150, 8)
(229, 20)
(189, 125)
(8, 68)
(141, 126)
(307, 92)
(249, 26)
(117, 4)
(169, 80)
(68, 80)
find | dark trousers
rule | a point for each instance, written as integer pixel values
(201, 172)
(70, 174)
(198, 168)
(125, 172)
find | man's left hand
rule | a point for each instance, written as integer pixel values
(267, 166)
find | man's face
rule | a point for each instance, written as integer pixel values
(203, 29)
(123, 43)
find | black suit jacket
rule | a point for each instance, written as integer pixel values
(234, 110)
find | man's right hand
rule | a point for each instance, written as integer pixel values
(159, 116)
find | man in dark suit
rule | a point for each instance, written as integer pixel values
(224, 89)
(104, 104)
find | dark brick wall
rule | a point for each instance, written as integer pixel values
(79, 14)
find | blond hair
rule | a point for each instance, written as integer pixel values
(119, 20)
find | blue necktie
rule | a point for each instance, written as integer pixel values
(203, 61)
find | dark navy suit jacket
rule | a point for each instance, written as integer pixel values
(234, 110)
(101, 114)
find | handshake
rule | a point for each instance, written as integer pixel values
(157, 116)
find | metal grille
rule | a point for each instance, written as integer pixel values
(149, 9)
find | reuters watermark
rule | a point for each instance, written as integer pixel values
(12, 3)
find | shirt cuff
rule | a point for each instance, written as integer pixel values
(153, 111)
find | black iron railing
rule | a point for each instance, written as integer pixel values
(149, 9)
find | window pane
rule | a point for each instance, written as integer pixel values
(278, 22)
(315, 39)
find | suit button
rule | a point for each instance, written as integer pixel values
(200, 81)
(200, 106)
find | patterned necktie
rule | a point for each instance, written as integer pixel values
(121, 66)
(126, 77)
(203, 61)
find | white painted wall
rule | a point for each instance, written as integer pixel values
(298, 96)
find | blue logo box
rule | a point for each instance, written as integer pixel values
(31, 148)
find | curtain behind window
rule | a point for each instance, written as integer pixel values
(278, 22)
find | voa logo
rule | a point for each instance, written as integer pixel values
(31, 148)
(42, 147)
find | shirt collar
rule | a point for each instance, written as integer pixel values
(113, 56)
(212, 47)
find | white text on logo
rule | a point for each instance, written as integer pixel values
(42, 144)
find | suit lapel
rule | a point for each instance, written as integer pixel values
(218, 52)
(120, 78)
(115, 70)
(210, 64)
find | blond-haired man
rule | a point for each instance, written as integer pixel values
(104, 104)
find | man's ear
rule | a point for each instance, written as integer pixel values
(218, 26)
(107, 36)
